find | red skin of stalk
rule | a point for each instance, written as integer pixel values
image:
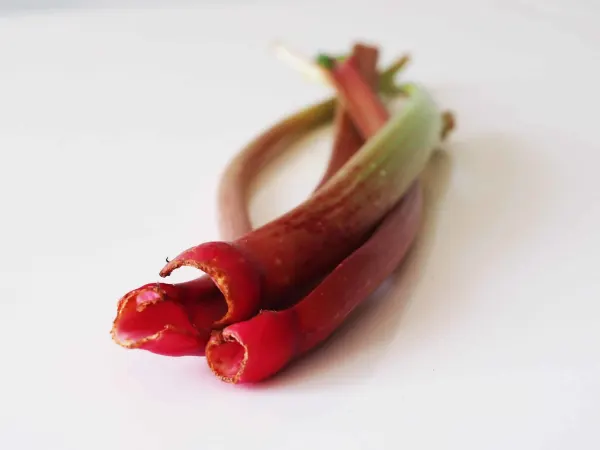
(251, 351)
(193, 308)
(360, 101)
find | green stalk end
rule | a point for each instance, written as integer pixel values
(326, 61)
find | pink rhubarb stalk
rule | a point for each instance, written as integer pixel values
(348, 138)
(256, 349)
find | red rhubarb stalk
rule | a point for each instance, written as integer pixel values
(167, 319)
(358, 98)
(348, 139)
(256, 349)
(251, 351)
(192, 308)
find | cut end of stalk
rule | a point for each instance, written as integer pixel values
(251, 351)
(218, 278)
(236, 278)
(448, 123)
(226, 356)
(387, 79)
(148, 319)
(397, 65)
(326, 61)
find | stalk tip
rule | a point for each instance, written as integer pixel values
(326, 61)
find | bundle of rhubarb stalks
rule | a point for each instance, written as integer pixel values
(269, 295)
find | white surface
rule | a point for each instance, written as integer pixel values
(114, 126)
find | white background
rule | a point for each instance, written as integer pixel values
(114, 127)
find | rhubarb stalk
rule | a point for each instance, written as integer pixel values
(253, 350)
(348, 140)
